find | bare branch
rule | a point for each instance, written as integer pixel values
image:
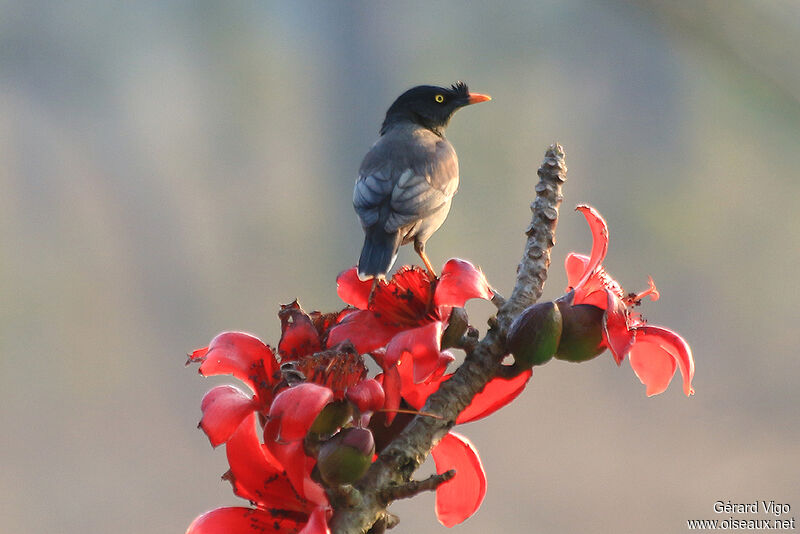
(398, 461)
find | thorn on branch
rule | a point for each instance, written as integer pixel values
(497, 299)
(415, 487)
(469, 340)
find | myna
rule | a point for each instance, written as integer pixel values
(409, 176)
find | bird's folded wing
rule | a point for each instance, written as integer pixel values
(425, 187)
(414, 199)
(371, 195)
(401, 182)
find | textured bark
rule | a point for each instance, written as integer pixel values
(398, 461)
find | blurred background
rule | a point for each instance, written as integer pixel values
(170, 170)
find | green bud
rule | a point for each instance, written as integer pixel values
(582, 331)
(345, 457)
(332, 418)
(534, 336)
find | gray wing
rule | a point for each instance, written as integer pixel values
(405, 179)
(371, 195)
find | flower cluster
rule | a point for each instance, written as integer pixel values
(313, 419)
(307, 422)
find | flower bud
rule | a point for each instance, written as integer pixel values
(534, 336)
(345, 457)
(582, 331)
(331, 418)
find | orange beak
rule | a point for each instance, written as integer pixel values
(474, 98)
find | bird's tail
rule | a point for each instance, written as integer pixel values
(378, 253)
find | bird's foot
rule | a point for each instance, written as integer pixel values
(431, 272)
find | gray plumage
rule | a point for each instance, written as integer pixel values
(407, 180)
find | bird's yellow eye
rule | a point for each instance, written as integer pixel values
(439, 98)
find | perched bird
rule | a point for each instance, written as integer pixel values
(409, 176)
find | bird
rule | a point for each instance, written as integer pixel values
(408, 177)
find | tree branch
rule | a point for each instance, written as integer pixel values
(415, 487)
(532, 270)
(401, 458)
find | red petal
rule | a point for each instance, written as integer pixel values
(379, 355)
(294, 410)
(422, 345)
(324, 321)
(224, 408)
(353, 291)
(592, 293)
(459, 282)
(497, 393)
(197, 355)
(592, 290)
(391, 387)
(241, 355)
(416, 394)
(445, 358)
(461, 496)
(299, 336)
(575, 265)
(616, 334)
(368, 395)
(363, 330)
(654, 356)
(599, 230)
(298, 467)
(239, 520)
(255, 474)
(317, 522)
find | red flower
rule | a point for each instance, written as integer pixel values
(654, 352)
(283, 502)
(248, 359)
(408, 314)
(275, 475)
(265, 430)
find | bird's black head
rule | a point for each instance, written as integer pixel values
(430, 106)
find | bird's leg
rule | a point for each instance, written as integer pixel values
(419, 247)
(372, 292)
